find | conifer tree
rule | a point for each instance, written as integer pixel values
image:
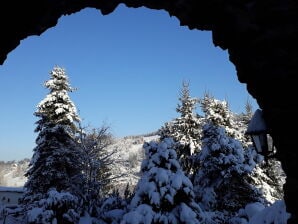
(219, 113)
(55, 165)
(241, 122)
(185, 129)
(267, 177)
(222, 185)
(164, 195)
(247, 115)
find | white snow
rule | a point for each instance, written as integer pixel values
(275, 214)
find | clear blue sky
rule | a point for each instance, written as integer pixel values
(128, 68)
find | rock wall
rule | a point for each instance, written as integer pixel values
(260, 37)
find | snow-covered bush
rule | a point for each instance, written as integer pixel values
(59, 207)
(163, 194)
(112, 209)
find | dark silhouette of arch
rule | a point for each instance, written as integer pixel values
(260, 37)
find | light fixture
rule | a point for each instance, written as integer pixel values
(257, 129)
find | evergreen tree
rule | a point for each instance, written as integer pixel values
(222, 185)
(185, 129)
(219, 113)
(112, 209)
(267, 177)
(241, 122)
(164, 195)
(247, 115)
(57, 108)
(56, 162)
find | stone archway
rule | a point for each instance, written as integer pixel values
(260, 37)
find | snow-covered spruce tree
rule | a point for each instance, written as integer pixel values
(112, 208)
(246, 116)
(241, 122)
(56, 162)
(185, 129)
(221, 184)
(219, 113)
(267, 175)
(163, 195)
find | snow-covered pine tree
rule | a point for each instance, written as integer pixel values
(241, 122)
(219, 113)
(221, 183)
(185, 129)
(112, 208)
(56, 162)
(267, 176)
(163, 195)
(247, 115)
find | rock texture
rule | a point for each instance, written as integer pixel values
(260, 37)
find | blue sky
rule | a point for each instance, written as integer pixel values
(128, 68)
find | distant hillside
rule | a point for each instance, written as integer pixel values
(127, 160)
(12, 173)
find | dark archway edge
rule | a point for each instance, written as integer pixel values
(260, 36)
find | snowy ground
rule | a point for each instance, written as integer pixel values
(275, 214)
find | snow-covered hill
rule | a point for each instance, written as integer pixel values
(127, 160)
(12, 173)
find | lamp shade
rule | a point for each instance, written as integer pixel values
(257, 129)
(257, 124)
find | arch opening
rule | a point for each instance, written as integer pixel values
(133, 66)
(245, 29)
